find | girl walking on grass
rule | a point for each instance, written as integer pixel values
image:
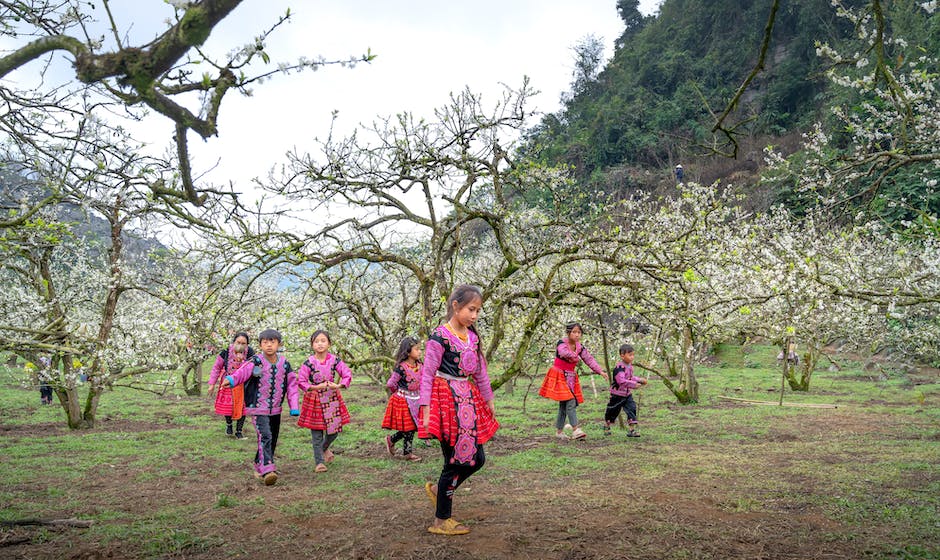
(562, 384)
(230, 401)
(401, 414)
(456, 403)
(320, 378)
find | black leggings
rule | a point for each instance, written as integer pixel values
(239, 424)
(452, 476)
(409, 438)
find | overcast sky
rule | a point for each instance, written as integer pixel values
(425, 50)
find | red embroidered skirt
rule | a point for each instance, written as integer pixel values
(230, 401)
(314, 416)
(555, 386)
(398, 415)
(475, 417)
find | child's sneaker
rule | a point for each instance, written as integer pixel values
(562, 435)
(606, 430)
(633, 433)
(270, 478)
(578, 433)
(239, 435)
(228, 429)
(389, 445)
(567, 426)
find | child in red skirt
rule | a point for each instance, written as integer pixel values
(456, 403)
(562, 384)
(323, 410)
(230, 401)
(401, 414)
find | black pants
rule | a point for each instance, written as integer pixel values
(239, 424)
(268, 428)
(452, 476)
(616, 403)
(409, 438)
(45, 393)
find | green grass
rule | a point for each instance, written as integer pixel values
(872, 462)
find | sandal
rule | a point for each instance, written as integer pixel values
(412, 457)
(432, 495)
(389, 445)
(320, 468)
(328, 456)
(449, 527)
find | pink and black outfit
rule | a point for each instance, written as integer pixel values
(323, 411)
(401, 414)
(562, 384)
(455, 387)
(266, 386)
(230, 401)
(621, 394)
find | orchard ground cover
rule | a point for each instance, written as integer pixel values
(720, 479)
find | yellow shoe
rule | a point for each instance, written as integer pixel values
(431, 494)
(449, 527)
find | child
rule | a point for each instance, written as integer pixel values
(230, 402)
(267, 378)
(562, 384)
(324, 411)
(454, 410)
(621, 395)
(402, 411)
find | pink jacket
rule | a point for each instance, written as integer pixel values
(265, 393)
(314, 372)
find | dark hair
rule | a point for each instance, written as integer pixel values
(241, 334)
(570, 327)
(269, 334)
(404, 349)
(317, 333)
(462, 296)
(625, 348)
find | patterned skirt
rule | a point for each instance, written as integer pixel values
(555, 386)
(230, 401)
(398, 415)
(324, 410)
(459, 417)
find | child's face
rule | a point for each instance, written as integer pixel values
(575, 335)
(467, 315)
(627, 357)
(269, 346)
(415, 353)
(320, 344)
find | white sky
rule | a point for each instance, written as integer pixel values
(425, 50)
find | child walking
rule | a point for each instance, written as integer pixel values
(230, 401)
(267, 378)
(621, 393)
(562, 384)
(401, 414)
(455, 410)
(324, 411)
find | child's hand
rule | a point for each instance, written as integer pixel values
(332, 385)
(225, 384)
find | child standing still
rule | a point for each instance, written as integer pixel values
(230, 401)
(324, 412)
(456, 403)
(401, 414)
(621, 393)
(268, 379)
(562, 383)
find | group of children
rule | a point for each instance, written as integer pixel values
(446, 397)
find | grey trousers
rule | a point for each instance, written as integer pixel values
(569, 409)
(321, 442)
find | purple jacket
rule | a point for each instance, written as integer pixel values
(624, 380)
(264, 394)
(404, 378)
(314, 372)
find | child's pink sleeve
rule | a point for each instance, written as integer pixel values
(216, 370)
(293, 398)
(433, 354)
(345, 374)
(393, 379)
(482, 378)
(303, 377)
(590, 362)
(241, 374)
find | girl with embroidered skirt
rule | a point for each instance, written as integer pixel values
(323, 411)
(562, 384)
(401, 414)
(456, 403)
(230, 401)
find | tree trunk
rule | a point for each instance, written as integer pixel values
(688, 384)
(810, 359)
(193, 389)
